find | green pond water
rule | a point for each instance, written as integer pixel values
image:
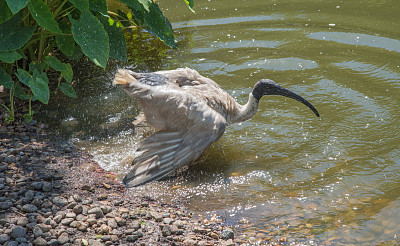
(284, 173)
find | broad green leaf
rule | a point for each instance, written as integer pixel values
(67, 89)
(12, 35)
(40, 89)
(23, 76)
(146, 4)
(99, 6)
(65, 42)
(190, 4)
(77, 54)
(56, 64)
(39, 66)
(16, 5)
(64, 68)
(41, 75)
(20, 93)
(10, 56)
(5, 12)
(137, 9)
(82, 5)
(154, 20)
(160, 26)
(43, 16)
(68, 74)
(5, 79)
(90, 35)
(116, 37)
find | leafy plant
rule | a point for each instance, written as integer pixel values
(34, 34)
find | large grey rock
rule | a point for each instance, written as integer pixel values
(40, 241)
(29, 208)
(18, 231)
(5, 205)
(97, 211)
(4, 238)
(227, 234)
(60, 201)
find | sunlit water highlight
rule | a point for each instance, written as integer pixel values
(285, 173)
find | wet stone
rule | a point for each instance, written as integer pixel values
(52, 242)
(60, 201)
(132, 238)
(96, 211)
(4, 238)
(37, 185)
(63, 238)
(5, 205)
(29, 208)
(77, 209)
(40, 241)
(22, 221)
(227, 234)
(29, 195)
(18, 231)
(47, 186)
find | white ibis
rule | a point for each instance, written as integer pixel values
(189, 113)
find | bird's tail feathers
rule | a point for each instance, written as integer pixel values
(124, 77)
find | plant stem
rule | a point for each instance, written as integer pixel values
(41, 45)
(57, 11)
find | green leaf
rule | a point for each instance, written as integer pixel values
(39, 66)
(68, 90)
(10, 56)
(82, 5)
(20, 93)
(68, 74)
(90, 35)
(190, 4)
(117, 40)
(43, 16)
(154, 20)
(12, 35)
(99, 6)
(64, 68)
(54, 63)
(65, 42)
(5, 12)
(23, 76)
(40, 89)
(5, 79)
(16, 5)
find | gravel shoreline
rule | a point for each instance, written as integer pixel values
(51, 193)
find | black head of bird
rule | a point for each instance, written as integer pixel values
(266, 87)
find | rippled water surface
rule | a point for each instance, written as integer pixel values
(329, 180)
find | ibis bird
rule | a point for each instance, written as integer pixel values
(189, 113)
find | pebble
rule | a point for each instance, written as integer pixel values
(18, 231)
(37, 185)
(227, 234)
(40, 241)
(4, 238)
(96, 211)
(60, 201)
(29, 208)
(41, 210)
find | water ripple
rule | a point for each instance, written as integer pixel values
(358, 39)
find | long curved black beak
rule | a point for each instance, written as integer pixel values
(278, 90)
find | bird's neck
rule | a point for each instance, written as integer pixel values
(246, 111)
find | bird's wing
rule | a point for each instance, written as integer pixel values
(166, 151)
(187, 77)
